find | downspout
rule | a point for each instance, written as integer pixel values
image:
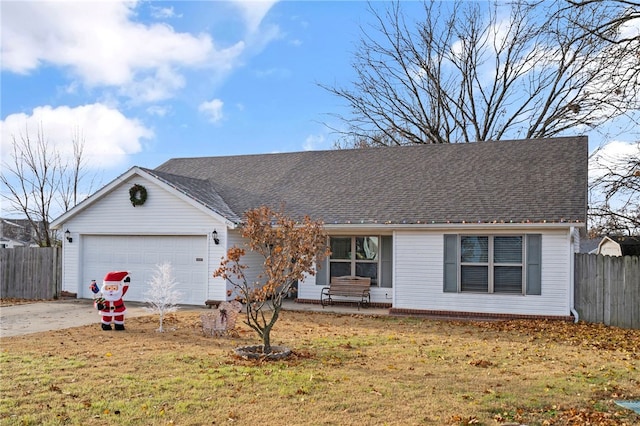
(572, 257)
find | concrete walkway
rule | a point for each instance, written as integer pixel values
(36, 317)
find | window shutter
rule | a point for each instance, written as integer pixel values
(450, 263)
(386, 261)
(534, 264)
(322, 270)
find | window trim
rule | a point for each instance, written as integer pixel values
(531, 263)
(353, 261)
(385, 261)
(491, 264)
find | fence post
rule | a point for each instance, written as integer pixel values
(607, 287)
(632, 291)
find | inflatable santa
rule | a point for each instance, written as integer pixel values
(110, 304)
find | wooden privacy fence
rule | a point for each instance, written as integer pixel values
(30, 272)
(607, 289)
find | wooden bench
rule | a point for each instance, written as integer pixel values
(347, 286)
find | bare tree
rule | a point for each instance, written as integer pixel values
(622, 12)
(615, 194)
(465, 71)
(35, 176)
(614, 206)
(75, 173)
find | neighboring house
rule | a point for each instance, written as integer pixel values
(619, 245)
(11, 243)
(589, 245)
(480, 228)
(17, 233)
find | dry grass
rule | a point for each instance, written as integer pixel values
(346, 369)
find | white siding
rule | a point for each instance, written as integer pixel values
(254, 261)
(163, 214)
(307, 289)
(419, 274)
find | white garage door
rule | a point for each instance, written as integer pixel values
(139, 255)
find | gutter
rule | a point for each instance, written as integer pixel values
(572, 277)
(468, 226)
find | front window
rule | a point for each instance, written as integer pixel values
(491, 264)
(357, 256)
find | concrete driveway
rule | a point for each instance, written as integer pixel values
(29, 318)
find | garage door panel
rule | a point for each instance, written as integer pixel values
(148, 258)
(140, 255)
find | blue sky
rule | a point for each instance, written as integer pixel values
(147, 81)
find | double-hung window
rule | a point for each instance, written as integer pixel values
(492, 263)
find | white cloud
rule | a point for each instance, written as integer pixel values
(258, 34)
(158, 110)
(109, 136)
(212, 109)
(102, 45)
(280, 73)
(254, 12)
(164, 12)
(153, 87)
(611, 154)
(314, 142)
(630, 28)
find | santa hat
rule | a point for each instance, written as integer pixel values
(115, 276)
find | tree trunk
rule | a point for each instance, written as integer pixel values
(266, 340)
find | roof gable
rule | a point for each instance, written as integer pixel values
(194, 191)
(536, 180)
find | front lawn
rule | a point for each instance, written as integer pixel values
(346, 370)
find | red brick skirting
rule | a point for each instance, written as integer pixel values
(475, 315)
(344, 303)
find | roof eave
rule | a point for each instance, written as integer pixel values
(450, 226)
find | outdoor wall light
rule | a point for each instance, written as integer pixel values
(67, 235)
(214, 234)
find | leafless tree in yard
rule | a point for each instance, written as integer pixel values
(615, 188)
(471, 71)
(76, 174)
(36, 177)
(616, 194)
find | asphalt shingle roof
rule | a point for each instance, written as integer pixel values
(523, 180)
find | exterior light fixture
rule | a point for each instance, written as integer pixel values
(67, 235)
(214, 234)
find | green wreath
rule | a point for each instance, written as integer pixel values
(138, 195)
